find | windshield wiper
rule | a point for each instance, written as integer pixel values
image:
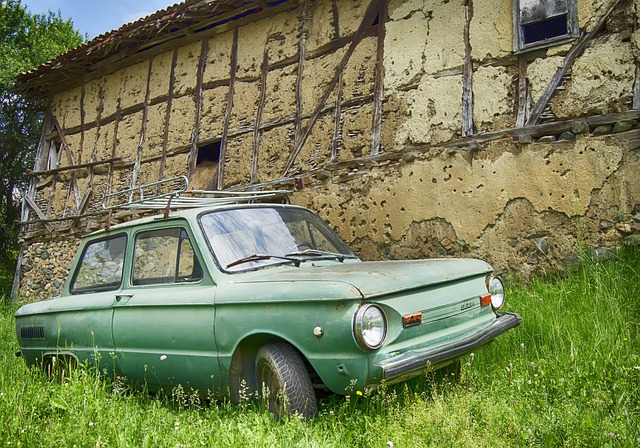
(258, 257)
(317, 253)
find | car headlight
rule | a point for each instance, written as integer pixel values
(496, 289)
(370, 326)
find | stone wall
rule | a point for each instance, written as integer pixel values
(523, 201)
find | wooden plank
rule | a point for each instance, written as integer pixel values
(523, 92)
(368, 19)
(83, 116)
(258, 120)
(302, 52)
(167, 116)
(467, 76)
(573, 54)
(227, 112)
(336, 141)
(15, 286)
(636, 89)
(67, 149)
(38, 212)
(202, 61)
(143, 128)
(376, 134)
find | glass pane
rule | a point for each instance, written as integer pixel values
(155, 257)
(274, 232)
(189, 269)
(100, 267)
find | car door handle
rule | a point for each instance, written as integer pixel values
(125, 297)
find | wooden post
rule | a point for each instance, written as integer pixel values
(256, 128)
(202, 62)
(143, 129)
(167, 116)
(227, 112)
(467, 77)
(336, 141)
(376, 133)
(523, 92)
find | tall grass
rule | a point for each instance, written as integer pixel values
(568, 376)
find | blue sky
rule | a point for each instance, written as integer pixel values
(95, 17)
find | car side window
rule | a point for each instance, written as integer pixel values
(100, 266)
(164, 256)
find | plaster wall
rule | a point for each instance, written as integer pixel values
(497, 199)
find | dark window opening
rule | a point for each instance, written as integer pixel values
(545, 29)
(209, 153)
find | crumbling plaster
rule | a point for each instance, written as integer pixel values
(470, 192)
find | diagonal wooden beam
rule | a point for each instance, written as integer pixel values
(38, 212)
(573, 54)
(369, 17)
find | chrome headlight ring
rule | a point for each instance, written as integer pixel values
(370, 326)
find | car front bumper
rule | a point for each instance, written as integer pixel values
(409, 364)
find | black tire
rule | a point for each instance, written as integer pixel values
(283, 382)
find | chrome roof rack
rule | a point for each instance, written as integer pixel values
(172, 194)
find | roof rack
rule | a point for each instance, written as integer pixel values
(172, 194)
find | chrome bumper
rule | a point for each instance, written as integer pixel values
(416, 360)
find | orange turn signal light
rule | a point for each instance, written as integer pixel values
(485, 300)
(410, 320)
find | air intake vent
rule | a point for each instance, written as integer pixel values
(32, 332)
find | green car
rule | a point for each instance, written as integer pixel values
(266, 298)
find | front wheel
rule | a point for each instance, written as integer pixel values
(283, 381)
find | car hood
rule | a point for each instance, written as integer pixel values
(374, 278)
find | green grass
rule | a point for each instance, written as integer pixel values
(568, 376)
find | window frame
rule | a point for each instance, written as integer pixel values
(108, 287)
(519, 44)
(157, 281)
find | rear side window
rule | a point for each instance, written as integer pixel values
(100, 266)
(164, 256)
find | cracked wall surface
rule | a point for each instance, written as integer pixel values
(429, 189)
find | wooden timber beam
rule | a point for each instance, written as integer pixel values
(467, 76)
(227, 112)
(376, 134)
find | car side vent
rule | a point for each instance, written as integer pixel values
(32, 332)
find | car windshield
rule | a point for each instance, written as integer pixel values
(254, 237)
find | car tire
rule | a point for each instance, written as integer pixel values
(283, 382)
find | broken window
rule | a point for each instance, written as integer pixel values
(542, 23)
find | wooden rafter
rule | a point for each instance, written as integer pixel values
(370, 15)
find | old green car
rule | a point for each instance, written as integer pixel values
(266, 298)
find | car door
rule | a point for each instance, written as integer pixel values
(164, 316)
(83, 317)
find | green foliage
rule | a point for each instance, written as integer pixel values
(568, 376)
(26, 41)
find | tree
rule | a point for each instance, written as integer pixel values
(26, 41)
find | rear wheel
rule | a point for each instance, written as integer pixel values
(283, 381)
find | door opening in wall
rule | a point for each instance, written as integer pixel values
(205, 176)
